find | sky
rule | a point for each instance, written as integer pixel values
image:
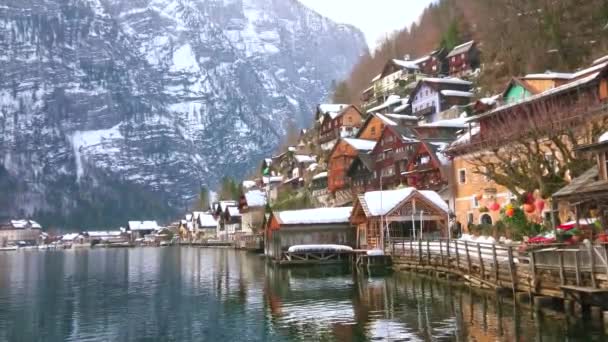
(376, 18)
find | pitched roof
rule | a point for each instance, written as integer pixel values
(143, 225)
(378, 203)
(462, 48)
(360, 144)
(207, 220)
(456, 93)
(586, 183)
(549, 92)
(255, 198)
(314, 216)
(390, 101)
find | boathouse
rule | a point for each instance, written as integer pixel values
(319, 226)
(407, 212)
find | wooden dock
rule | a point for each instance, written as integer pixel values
(313, 258)
(579, 274)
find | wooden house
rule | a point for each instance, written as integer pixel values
(402, 213)
(336, 125)
(231, 222)
(433, 64)
(307, 227)
(361, 174)
(587, 195)
(391, 154)
(139, 229)
(580, 101)
(434, 95)
(427, 167)
(374, 125)
(204, 226)
(318, 185)
(464, 59)
(15, 231)
(340, 158)
(252, 206)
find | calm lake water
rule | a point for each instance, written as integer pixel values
(195, 294)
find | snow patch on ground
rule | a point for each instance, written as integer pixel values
(184, 60)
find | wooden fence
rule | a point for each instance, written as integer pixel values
(543, 271)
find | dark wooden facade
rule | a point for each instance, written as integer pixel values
(391, 154)
(361, 174)
(345, 123)
(463, 59)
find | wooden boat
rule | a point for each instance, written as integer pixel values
(8, 248)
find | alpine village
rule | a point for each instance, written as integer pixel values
(427, 173)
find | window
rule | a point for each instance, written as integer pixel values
(434, 68)
(485, 219)
(463, 55)
(474, 202)
(469, 218)
(462, 176)
(454, 59)
(373, 131)
(606, 164)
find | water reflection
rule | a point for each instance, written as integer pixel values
(193, 294)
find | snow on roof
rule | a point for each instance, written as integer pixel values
(377, 77)
(448, 80)
(319, 248)
(332, 109)
(225, 204)
(312, 167)
(460, 48)
(548, 75)
(452, 123)
(551, 91)
(69, 237)
(103, 233)
(315, 216)
(382, 202)
(143, 225)
(360, 144)
(234, 211)
(272, 179)
(301, 158)
(402, 117)
(603, 137)
(188, 217)
(441, 147)
(207, 220)
(248, 184)
(291, 149)
(600, 60)
(466, 137)
(255, 198)
(22, 224)
(458, 93)
(421, 59)
(406, 64)
(391, 100)
(385, 120)
(268, 161)
(490, 101)
(404, 106)
(320, 175)
(197, 214)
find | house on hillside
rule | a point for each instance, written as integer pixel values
(293, 165)
(318, 185)
(581, 100)
(434, 95)
(397, 77)
(340, 158)
(392, 104)
(464, 59)
(433, 64)
(391, 155)
(15, 232)
(204, 226)
(139, 229)
(374, 125)
(361, 173)
(342, 124)
(398, 214)
(307, 227)
(252, 206)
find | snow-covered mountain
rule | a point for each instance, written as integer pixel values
(122, 108)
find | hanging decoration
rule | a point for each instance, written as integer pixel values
(529, 208)
(495, 206)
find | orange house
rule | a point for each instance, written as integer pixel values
(340, 159)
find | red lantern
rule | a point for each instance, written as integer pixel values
(510, 212)
(540, 205)
(529, 198)
(495, 206)
(529, 208)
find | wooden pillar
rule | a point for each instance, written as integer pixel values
(533, 271)
(592, 265)
(562, 278)
(483, 270)
(512, 269)
(495, 259)
(466, 248)
(577, 269)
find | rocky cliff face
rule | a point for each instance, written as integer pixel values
(122, 108)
